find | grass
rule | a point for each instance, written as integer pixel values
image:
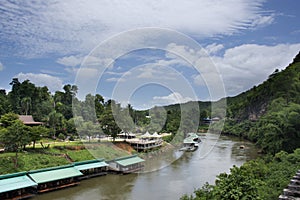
(106, 150)
(53, 156)
(28, 161)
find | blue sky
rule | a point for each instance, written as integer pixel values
(241, 42)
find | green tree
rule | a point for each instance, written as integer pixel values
(8, 119)
(37, 132)
(56, 122)
(15, 137)
(26, 105)
(4, 103)
(107, 120)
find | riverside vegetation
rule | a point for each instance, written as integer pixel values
(267, 115)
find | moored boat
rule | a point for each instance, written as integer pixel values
(191, 143)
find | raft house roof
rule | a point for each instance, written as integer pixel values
(10, 182)
(54, 173)
(90, 164)
(128, 160)
(190, 138)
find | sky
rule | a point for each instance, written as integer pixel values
(147, 52)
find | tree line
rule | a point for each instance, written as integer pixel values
(64, 115)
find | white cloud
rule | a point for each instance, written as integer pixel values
(238, 68)
(261, 21)
(71, 61)
(214, 48)
(53, 83)
(72, 27)
(172, 98)
(247, 65)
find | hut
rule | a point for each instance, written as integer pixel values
(127, 164)
(55, 178)
(91, 168)
(16, 186)
(29, 121)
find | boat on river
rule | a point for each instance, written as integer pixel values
(191, 142)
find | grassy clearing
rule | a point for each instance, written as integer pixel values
(53, 156)
(106, 150)
(28, 161)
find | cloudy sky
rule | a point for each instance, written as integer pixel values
(147, 52)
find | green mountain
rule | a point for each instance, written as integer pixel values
(254, 103)
(269, 113)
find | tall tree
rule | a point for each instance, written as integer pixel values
(15, 137)
(4, 103)
(107, 120)
(56, 122)
(26, 105)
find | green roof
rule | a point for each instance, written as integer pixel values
(52, 174)
(129, 160)
(190, 138)
(15, 182)
(89, 164)
(5, 176)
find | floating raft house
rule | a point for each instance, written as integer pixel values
(55, 178)
(127, 164)
(91, 168)
(16, 186)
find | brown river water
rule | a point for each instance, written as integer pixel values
(165, 177)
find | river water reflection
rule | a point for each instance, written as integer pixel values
(190, 171)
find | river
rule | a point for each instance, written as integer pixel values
(163, 180)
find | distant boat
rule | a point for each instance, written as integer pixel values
(191, 142)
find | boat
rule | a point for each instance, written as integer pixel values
(191, 142)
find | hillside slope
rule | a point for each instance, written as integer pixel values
(268, 114)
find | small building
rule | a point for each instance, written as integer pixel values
(190, 143)
(29, 121)
(124, 135)
(206, 120)
(145, 144)
(16, 186)
(55, 178)
(127, 164)
(91, 168)
(215, 119)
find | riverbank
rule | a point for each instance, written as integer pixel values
(27, 184)
(165, 176)
(59, 153)
(262, 178)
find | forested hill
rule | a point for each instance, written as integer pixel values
(254, 102)
(269, 113)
